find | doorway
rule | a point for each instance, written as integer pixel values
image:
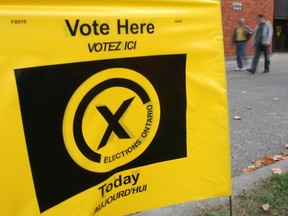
(280, 35)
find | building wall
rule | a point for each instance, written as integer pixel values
(249, 10)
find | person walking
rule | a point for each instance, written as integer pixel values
(241, 35)
(261, 43)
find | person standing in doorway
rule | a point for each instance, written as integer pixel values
(261, 43)
(241, 35)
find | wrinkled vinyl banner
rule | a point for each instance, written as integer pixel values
(111, 107)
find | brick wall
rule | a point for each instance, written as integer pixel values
(250, 9)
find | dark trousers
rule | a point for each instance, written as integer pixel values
(258, 49)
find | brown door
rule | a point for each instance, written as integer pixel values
(280, 36)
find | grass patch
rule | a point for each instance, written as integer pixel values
(272, 191)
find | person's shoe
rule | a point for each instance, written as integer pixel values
(250, 70)
(238, 69)
(266, 71)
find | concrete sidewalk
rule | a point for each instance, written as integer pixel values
(263, 127)
(247, 132)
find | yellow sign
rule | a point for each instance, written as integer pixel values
(278, 30)
(111, 108)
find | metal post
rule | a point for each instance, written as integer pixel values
(230, 201)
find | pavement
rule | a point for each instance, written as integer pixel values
(261, 101)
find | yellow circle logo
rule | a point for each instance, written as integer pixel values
(111, 119)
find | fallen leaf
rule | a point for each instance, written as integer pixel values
(278, 157)
(267, 160)
(277, 171)
(237, 118)
(284, 154)
(252, 167)
(266, 207)
(247, 170)
(258, 163)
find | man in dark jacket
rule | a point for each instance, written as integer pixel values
(261, 43)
